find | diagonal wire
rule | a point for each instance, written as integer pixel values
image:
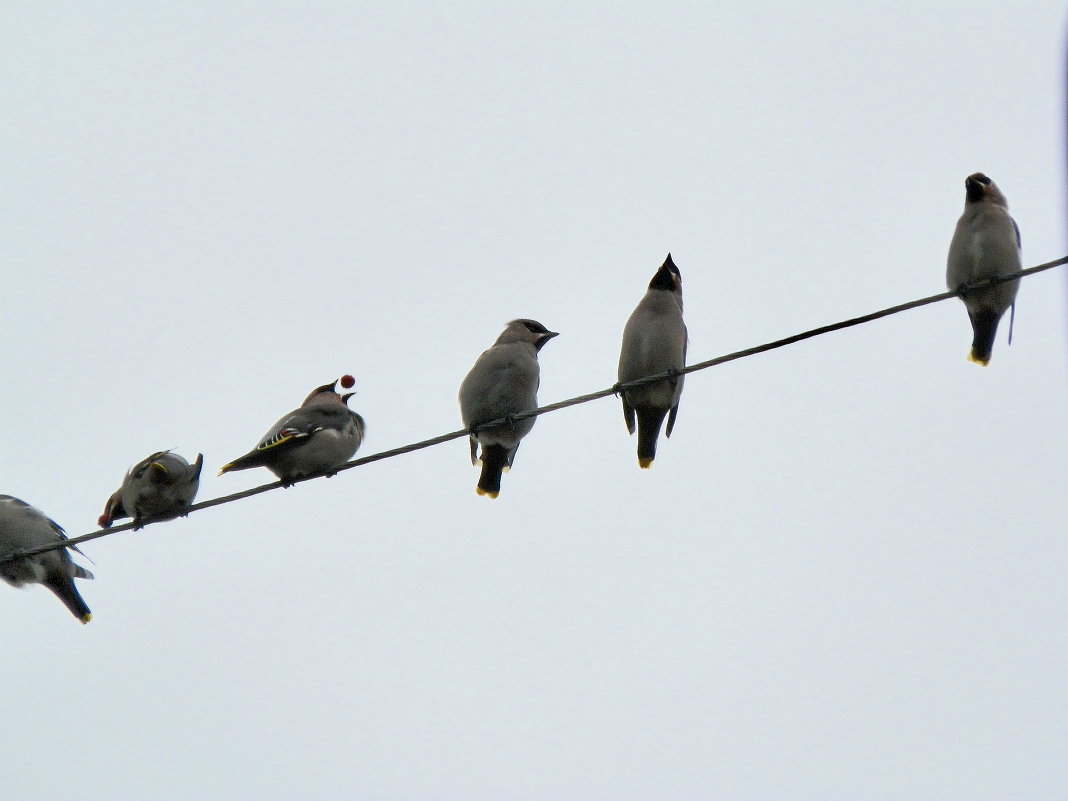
(552, 407)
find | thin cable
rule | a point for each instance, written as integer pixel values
(552, 407)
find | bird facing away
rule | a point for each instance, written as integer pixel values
(985, 244)
(160, 487)
(322, 434)
(503, 382)
(23, 527)
(654, 341)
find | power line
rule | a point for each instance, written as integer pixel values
(552, 407)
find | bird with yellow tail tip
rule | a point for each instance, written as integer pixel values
(322, 434)
(986, 244)
(503, 382)
(23, 527)
(159, 487)
(654, 342)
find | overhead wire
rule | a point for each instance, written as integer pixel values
(552, 407)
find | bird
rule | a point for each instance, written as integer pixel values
(986, 243)
(160, 487)
(322, 434)
(23, 527)
(654, 341)
(503, 382)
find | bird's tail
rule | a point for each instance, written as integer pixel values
(649, 422)
(263, 454)
(246, 462)
(984, 328)
(494, 460)
(65, 590)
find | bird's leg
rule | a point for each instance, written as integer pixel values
(511, 421)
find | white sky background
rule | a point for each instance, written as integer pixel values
(843, 578)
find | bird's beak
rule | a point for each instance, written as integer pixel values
(549, 335)
(974, 189)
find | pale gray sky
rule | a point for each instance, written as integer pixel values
(844, 578)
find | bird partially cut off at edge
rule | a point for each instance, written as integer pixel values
(23, 527)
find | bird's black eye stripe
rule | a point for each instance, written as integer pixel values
(534, 328)
(984, 181)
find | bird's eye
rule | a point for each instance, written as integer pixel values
(984, 180)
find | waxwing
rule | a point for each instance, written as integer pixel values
(985, 244)
(654, 341)
(160, 487)
(322, 434)
(23, 527)
(503, 381)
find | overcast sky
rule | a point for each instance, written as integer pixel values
(844, 578)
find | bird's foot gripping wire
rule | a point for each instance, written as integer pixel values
(511, 422)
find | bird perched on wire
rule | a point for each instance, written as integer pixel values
(654, 341)
(322, 434)
(502, 382)
(160, 487)
(23, 527)
(985, 244)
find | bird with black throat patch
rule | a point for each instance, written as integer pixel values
(654, 342)
(504, 381)
(985, 245)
